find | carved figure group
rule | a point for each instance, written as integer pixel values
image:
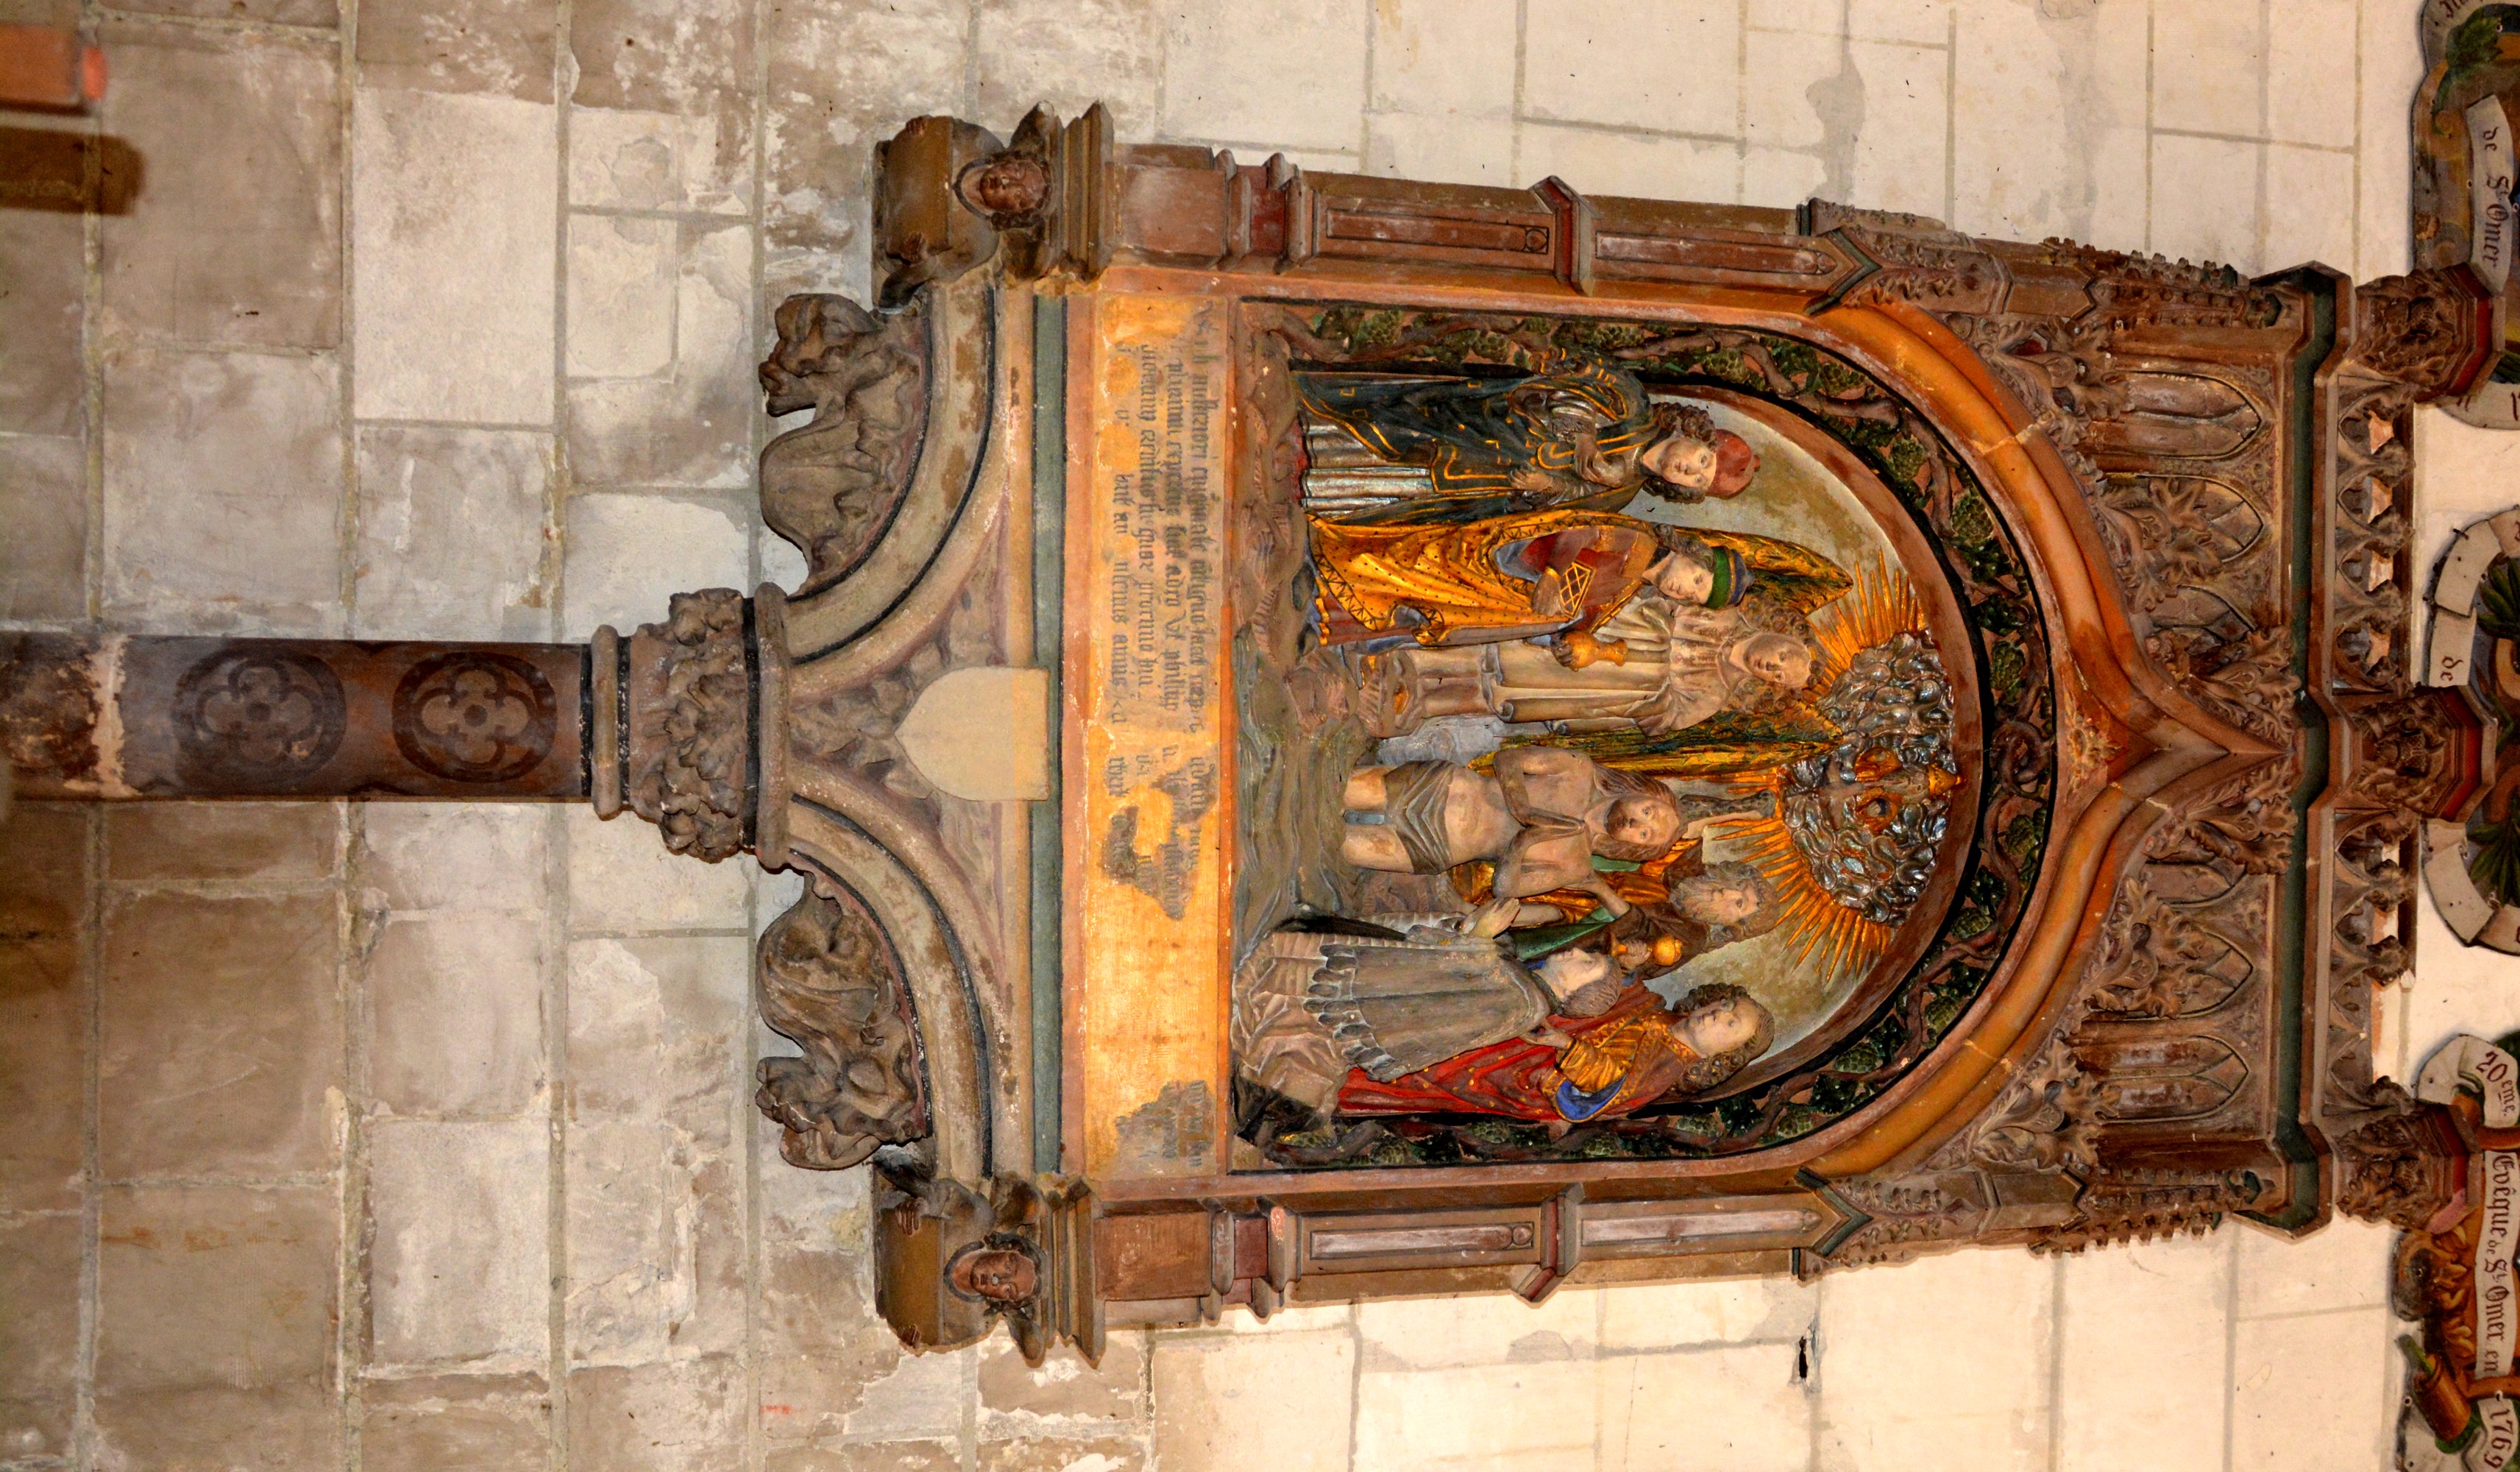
(1588, 619)
(1537, 665)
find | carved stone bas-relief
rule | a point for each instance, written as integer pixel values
(832, 486)
(1346, 736)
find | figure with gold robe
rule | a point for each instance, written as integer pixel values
(1694, 1045)
(1551, 575)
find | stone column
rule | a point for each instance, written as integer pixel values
(660, 722)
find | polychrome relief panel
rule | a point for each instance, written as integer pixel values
(1643, 738)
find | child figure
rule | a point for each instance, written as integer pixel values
(1542, 820)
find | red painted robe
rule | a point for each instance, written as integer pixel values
(1516, 1078)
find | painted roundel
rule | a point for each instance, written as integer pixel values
(261, 717)
(473, 715)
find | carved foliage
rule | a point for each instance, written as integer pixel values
(2367, 595)
(2158, 959)
(1910, 1216)
(2047, 1121)
(690, 719)
(2243, 825)
(2247, 681)
(2173, 462)
(2142, 1205)
(829, 982)
(2198, 567)
(2372, 887)
(2391, 1169)
(2149, 291)
(2419, 329)
(2369, 887)
(2170, 534)
(858, 726)
(1915, 260)
(2407, 752)
(833, 487)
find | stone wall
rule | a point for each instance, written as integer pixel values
(410, 1138)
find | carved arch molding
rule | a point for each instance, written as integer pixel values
(1062, 665)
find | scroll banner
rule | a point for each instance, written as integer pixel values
(2498, 1314)
(2499, 1441)
(2493, 220)
(2480, 1066)
(2489, 183)
(2493, 164)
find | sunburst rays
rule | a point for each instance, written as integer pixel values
(1882, 603)
(1815, 926)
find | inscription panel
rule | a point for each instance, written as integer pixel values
(1146, 813)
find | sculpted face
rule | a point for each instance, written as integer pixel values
(1571, 970)
(1000, 1274)
(1681, 461)
(1011, 184)
(1779, 659)
(1683, 579)
(1719, 1029)
(1648, 822)
(1726, 904)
